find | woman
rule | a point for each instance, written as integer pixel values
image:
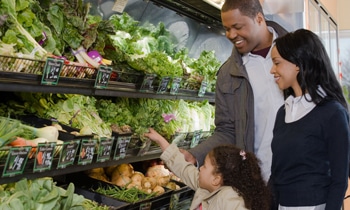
(310, 146)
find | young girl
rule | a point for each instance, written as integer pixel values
(310, 146)
(229, 179)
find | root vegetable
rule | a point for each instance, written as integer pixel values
(122, 181)
(172, 186)
(109, 170)
(124, 169)
(48, 132)
(163, 181)
(158, 190)
(134, 184)
(148, 183)
(157, 171)
(137, 176)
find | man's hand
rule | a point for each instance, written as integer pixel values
(189, 157)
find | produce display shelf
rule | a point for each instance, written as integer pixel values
(29, 174)
(23, 82)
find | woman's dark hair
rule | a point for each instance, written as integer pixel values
(248, 8)
(242, 172)
(305, 49)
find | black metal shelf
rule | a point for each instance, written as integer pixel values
(29, 174)
(21, 82)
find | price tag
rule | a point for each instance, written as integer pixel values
(119, 5)
(145, 206)
(44, 156)
(144, 148)
(196, 137)
(202, 89)
(52, 70)
(163, 85)
(147, 82)
(87, 151)
(179, 139)
(103, 75)
(175, 85)
(16, 161)
(68, 153)
(121, 147)
(105, 149)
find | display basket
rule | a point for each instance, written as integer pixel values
(24, 65)
(77, 71)
(87, 183)
(33, 66)
(181, 198)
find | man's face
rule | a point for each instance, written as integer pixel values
(243, 31)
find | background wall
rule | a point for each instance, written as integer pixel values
(339, 9)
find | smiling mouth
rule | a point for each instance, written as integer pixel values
(238, 43)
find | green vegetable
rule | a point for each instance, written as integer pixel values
(9, 128)
(19, 16)
(39, 194)
(131, 195)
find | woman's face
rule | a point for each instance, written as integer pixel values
(207, 178)
(284, 72)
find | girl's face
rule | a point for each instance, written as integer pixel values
(207, 178)
(285, 72)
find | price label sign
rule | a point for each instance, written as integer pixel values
(87, 151)
(68, 153)
(105, 149)
(144, 148)
(175, 85)
(16, 161)
(163, 85)
(147, 83)
(121, 147)
(44, 156)
(203, 88)
(179, 138)
(52, 70)
(196, 137)
(103, 75)
(146, 206)
(119, 5)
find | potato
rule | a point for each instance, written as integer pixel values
(163, 181)
(134, 184)
(148, 182)
(137, 176)
(122, 181)
(125, 169)
(158, 189)
(157, 171)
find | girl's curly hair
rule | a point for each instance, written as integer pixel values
(242, 172)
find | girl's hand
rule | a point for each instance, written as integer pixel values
(156, 137)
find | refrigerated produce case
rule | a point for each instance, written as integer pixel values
(195, 25)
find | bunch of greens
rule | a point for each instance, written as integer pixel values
(166, 116)
(147, 48)
(73, 27)
(23, 29)
(74, 110)
(40, 194)
(80, 112)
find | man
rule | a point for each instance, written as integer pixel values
(246, 98)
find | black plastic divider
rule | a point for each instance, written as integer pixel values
(86, 183)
